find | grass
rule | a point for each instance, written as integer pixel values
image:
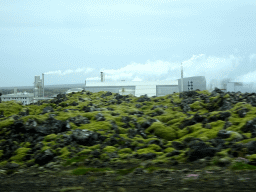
(66, 189)
(152, 169)
(126, 171)
(118, 178)
(74, 159)
(83, 171)
(242, 166)
(92, 178)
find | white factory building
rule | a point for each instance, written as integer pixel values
(25, 98)
(151, 88)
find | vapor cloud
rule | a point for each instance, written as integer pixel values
(198, 65)
(69, 71)
(215, 70)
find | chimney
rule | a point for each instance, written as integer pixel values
(181, 78)
(15, 91)
(101, 76)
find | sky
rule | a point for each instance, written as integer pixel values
(145, 40)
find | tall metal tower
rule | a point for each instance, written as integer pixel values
(181, 78)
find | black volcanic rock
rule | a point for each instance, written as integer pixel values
(35, 131)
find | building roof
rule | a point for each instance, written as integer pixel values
(19, 95)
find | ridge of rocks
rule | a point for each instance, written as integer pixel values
(31, 142)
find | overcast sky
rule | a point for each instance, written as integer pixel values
(132, 40)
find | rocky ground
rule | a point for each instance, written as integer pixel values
(52, 145)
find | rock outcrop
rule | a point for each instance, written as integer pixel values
(26, 141)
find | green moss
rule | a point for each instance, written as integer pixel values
(15, 143)
(10, 108)
(66, 189)
(196, 105)
(242, 166)
(104, 157)
(252, 157)
(84, 152)
(126, 171)
(50, 137)
(109, 149)
(1, 153)
(205, 92)
(2, 140)
(213, 98)
(226, 96)
(6, 123)
(83, 171)
(94, 126)
(154, 147)
(148, 150)
(124, 136)
(234, 135)
(161, 131)
(44, 148)
(94, 147)
(223, 153)
(23, 144)
(63, 116)
(64, 152)
(124, 155)
(3, 163)
(20, 153)
(74, 159)
(169, 150)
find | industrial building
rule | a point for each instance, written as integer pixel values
(28, 98)
(242, 87)
(151, 88)
(135, 88)
(25, 98)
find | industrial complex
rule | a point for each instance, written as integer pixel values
(136, 88)
(151, 88)
(28, 98)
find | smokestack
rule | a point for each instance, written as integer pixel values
(181, 78)
(43, 83)
(101, 76)
(15, 91)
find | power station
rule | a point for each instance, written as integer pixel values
(135, 88)
(151, 88)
